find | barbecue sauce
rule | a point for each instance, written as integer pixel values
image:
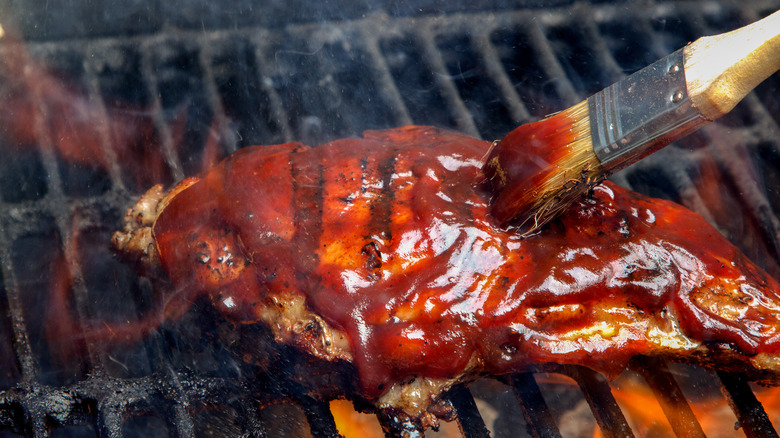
(513, 174)
(389, 238)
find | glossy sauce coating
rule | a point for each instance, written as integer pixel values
(513, 175)
(389, 238)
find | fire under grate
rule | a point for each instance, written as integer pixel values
(481, 73)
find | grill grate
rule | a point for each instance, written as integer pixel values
(481, 73)
(670, 396)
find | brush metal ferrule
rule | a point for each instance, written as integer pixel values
(642, 113)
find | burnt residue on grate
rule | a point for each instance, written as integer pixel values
(160, 105)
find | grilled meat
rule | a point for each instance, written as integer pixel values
(380, 252)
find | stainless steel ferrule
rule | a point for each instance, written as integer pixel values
(642, 113)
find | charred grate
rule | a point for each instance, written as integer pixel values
(481, 73)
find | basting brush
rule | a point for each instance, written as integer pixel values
(540, 168)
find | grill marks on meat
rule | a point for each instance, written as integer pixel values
(405, 190)
(380, 251)
(307, 178)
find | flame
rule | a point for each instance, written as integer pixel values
(40, 108)
(45, 113)
(716, 417)
(770, 399)
(646, 418)
(641, 409)
(61, 329)
(65, 329)
(636, 400)
(351, 423)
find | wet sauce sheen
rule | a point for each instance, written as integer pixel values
(545, 144)
(390, 239)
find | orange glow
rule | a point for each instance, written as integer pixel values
(646, 418)
(641, 409)
(554, 379)
(636, 400)
(351, 423)
(45, 112)
(716, 417)
(41, 108)
(770, 399)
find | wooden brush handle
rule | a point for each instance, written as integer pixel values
(720, 70)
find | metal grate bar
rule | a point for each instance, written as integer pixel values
(21, 339)
(37, 416)
(469, 418)
(384, 78)
(686, 188)
(114, 170)
(60, 207)
(249, 408)
(535, 410)
(736, 160)
(552, 68)
(435, 62)
(599, 397)
(182, 422)
(320, 418)
(751, 415)
(110, 420)
(13, 290)
(669, 396)
(610, 70)
(58, 204)
(150, 82)
(733, 157)
(264, 61)
(496, 71)
(219, 121)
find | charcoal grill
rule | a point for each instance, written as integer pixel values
(197, 74)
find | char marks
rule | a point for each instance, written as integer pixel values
(306, 168)
(363, 170)
(382, 206)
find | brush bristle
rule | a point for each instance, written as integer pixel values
(540, 168)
